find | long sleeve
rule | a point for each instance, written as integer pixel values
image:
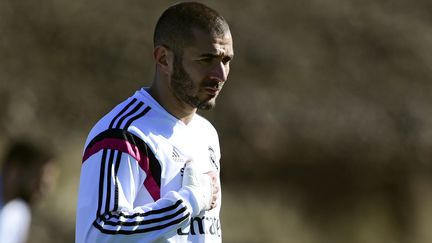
(118, 166)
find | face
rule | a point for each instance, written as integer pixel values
(200, 73)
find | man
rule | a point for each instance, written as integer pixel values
(27, 173)
(150, 169)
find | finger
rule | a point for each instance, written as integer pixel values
(212, 175)
(215, 188)
(215, 196)
(214, 204)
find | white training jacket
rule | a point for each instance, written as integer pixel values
(131, 177)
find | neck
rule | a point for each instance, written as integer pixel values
(170, 102)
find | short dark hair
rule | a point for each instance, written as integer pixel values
(26, 154)
(174, 27)
(22, 168)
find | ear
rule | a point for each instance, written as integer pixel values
(164, 58)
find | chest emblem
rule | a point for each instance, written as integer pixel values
(212, 157)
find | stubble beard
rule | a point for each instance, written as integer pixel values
(183, 87)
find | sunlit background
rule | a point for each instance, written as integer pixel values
(325, 123)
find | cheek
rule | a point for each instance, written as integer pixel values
(196, 82)
(196, 72)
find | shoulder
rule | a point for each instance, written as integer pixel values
(123, 115)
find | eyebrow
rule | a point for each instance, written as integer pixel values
(216, 55)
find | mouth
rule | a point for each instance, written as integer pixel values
(212, 91)
(213, 87)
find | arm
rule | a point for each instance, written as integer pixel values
(112, 176)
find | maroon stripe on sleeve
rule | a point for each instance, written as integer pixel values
(124, 146)
(114, 144)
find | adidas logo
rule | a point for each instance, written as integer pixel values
(176, 156)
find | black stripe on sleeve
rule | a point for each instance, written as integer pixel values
(112, 133)
(148, 213)
(144, 230)
(135, 109)
(145, 221)
(155, 166)
(141, 114)
(101, 182)
(121, 112)
(116, 192)
(108, 181)
(106, 220)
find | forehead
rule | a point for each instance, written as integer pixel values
(211, 43)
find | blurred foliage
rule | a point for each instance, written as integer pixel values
(325, 121)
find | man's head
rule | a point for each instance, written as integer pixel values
(193, 47)
(174, 28)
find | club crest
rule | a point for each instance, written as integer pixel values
(212, 157)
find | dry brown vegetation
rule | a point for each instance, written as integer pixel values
(325, 123)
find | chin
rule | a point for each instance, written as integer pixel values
(208, 105)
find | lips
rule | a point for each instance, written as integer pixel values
(212, 86)
(212, 90)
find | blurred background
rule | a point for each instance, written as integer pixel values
(325, 123)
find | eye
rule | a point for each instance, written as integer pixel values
(206, 60)
(226, 60)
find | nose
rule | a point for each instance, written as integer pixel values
(220, 71)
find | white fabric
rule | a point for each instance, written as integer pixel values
(197, 181)
(127, 210)
(15, 218)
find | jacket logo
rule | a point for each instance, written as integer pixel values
(176, 156)
(202, 226)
